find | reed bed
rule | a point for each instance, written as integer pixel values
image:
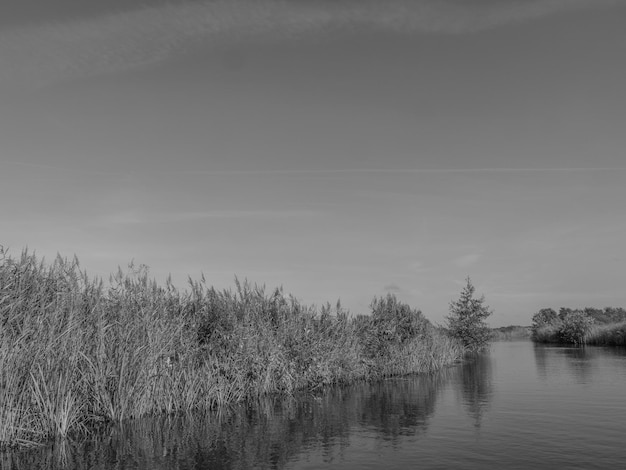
(612, 334)
(547, 334)
(609, 334)
(75, 352)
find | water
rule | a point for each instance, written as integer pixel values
(520, 406)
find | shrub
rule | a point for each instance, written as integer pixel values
(575, 327)
(392, 323)
(569, 326)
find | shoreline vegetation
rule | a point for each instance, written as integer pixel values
(76, 353)
(588, 326)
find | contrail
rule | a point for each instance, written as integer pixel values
(48, 53)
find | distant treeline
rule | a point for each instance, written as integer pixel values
(75, 352)
(510, 333)
(601, 316)
(588, 325)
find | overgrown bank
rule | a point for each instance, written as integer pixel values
(75, 352)
(601, 327)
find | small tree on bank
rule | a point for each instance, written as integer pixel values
(466, 321)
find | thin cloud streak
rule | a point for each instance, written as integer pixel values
(76, 169)
(393, 171)
(63, 169)
(135, 218)
(50, 53)
(467, 260)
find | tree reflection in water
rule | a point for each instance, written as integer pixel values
(477, 380)
(267, 434)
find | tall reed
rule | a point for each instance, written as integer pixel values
(75, 351)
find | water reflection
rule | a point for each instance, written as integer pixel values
(557, 361)
(540, 415)
(400, 407)
(579, 361)
(477, 386)
(266, 435)
(580, 364)
(541, 360)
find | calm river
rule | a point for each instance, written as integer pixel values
(519, 406)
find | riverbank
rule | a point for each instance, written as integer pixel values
(611, 334)
(598, 327)
(75, 352)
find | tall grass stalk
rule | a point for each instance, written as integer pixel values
(58, 402)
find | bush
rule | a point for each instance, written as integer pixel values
(391, 324)
(575, 327)
(569, 326)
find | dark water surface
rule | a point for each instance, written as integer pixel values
(520, 406)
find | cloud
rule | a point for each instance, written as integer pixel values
(402, 171)
(39, 55)
(417, 267)
(468, 260)
(128, 217)
(47, 170)
(392, 288)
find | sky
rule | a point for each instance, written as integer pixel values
(341, 149)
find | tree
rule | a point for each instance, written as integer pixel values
(564, 312)
(544, 317)
(466, 321)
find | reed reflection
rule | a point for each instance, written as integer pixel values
(267, 434)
